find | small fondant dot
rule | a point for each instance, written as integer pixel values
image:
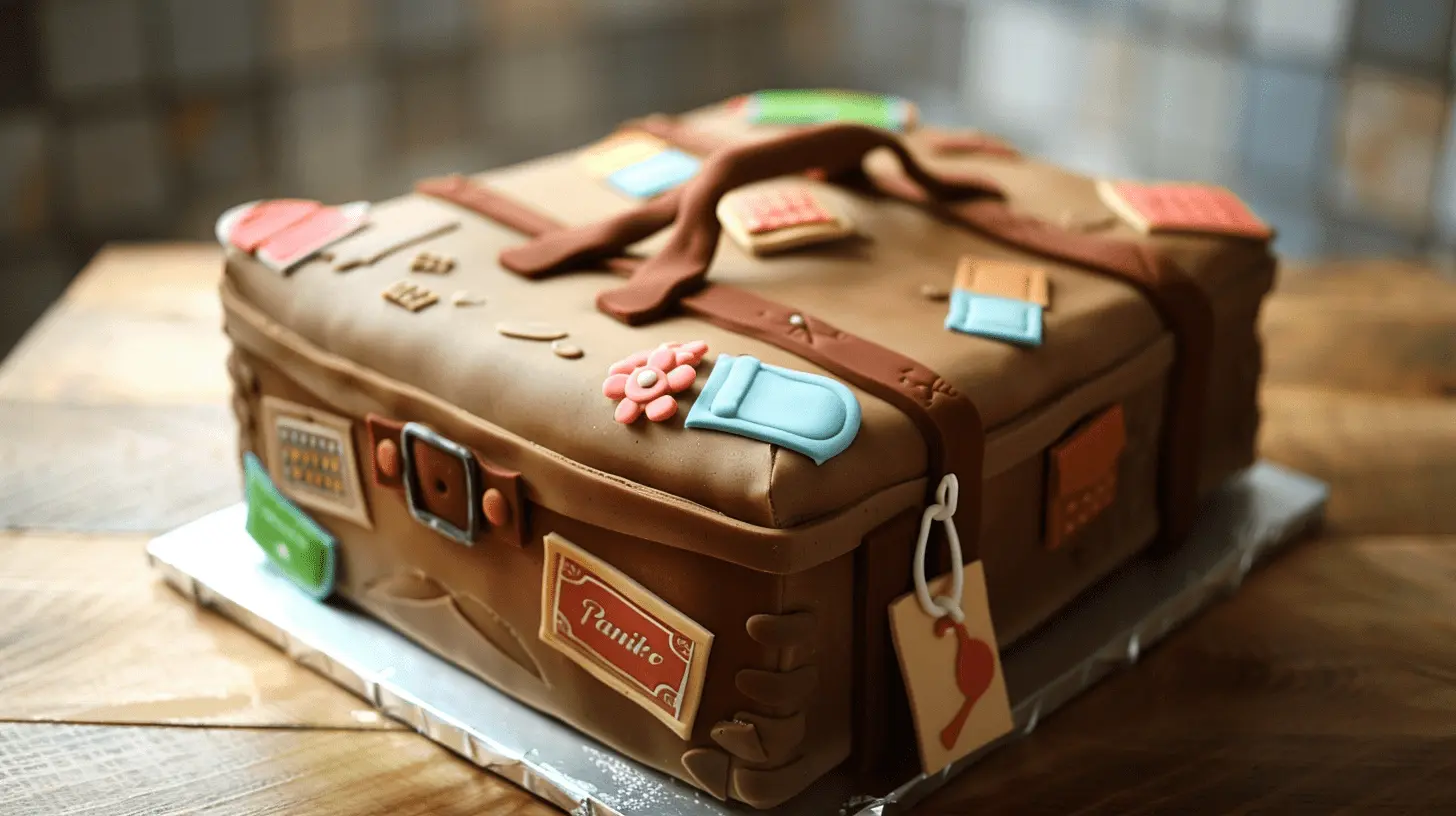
(647, 378)
(386, 457)
(495, 507)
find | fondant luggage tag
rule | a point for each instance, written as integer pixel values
(946, 645)
(807, 413)
(1002, 300)
(284, 233)
(812, 107)
(293, 542)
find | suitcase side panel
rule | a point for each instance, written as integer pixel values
(479, 607)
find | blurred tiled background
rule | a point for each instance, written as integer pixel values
(145, 118)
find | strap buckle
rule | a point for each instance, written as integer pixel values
(414, 493)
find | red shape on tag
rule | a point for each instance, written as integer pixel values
(778, 209)
(268, 218)
(975, 669)
(1191, 208)
(301, 240)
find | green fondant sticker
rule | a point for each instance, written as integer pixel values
(295, 544)
(796, 107)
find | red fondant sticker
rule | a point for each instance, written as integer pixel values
(622, 634)
(1197, 208)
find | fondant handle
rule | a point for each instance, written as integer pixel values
(682, 266)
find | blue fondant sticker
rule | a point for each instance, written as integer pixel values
(655, 174)
(1014, 321)
(292, 541)
(807, 413)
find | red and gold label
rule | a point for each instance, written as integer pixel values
(622, 634)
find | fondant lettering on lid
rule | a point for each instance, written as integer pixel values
(1196, 208)
(655, 174)
(410, 295)
(622, 634)
(807, 413)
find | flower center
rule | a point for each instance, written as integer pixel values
(646, 378)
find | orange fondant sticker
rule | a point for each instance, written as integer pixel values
(1006, 279)
(622, 634)
(1197, 208)
(1083, 475)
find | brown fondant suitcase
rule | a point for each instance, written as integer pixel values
(430, 390)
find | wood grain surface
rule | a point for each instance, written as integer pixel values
(1328, 684)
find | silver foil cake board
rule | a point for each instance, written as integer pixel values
(215, 563)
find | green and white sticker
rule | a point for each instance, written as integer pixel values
(295, 544)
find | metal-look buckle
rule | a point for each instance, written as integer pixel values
(414, 494)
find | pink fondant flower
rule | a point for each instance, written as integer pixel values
(646, 381)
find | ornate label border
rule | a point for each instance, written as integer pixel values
(644, 627)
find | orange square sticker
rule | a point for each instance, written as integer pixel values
(1197, 208)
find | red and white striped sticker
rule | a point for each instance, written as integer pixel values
(284, 233)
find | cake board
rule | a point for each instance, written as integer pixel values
(213, 562)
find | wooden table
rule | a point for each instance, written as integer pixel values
(1328, 682)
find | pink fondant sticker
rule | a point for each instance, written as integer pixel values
(307, 237)
(623, 634)
(1197, 208)
(265, 219)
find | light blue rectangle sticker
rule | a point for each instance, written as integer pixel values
(1014, 321)
(655, 175)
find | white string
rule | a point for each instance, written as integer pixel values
(944, 509)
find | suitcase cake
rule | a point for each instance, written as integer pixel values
(744, 440)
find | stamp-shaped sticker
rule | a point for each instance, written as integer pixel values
(622, 634)
(311, 459)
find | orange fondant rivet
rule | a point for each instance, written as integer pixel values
(497, 510)
(386, 458)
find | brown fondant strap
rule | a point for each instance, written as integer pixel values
(949, 422)
(503, 209)
(682, 265)
(565, 248)
(1182, 304)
